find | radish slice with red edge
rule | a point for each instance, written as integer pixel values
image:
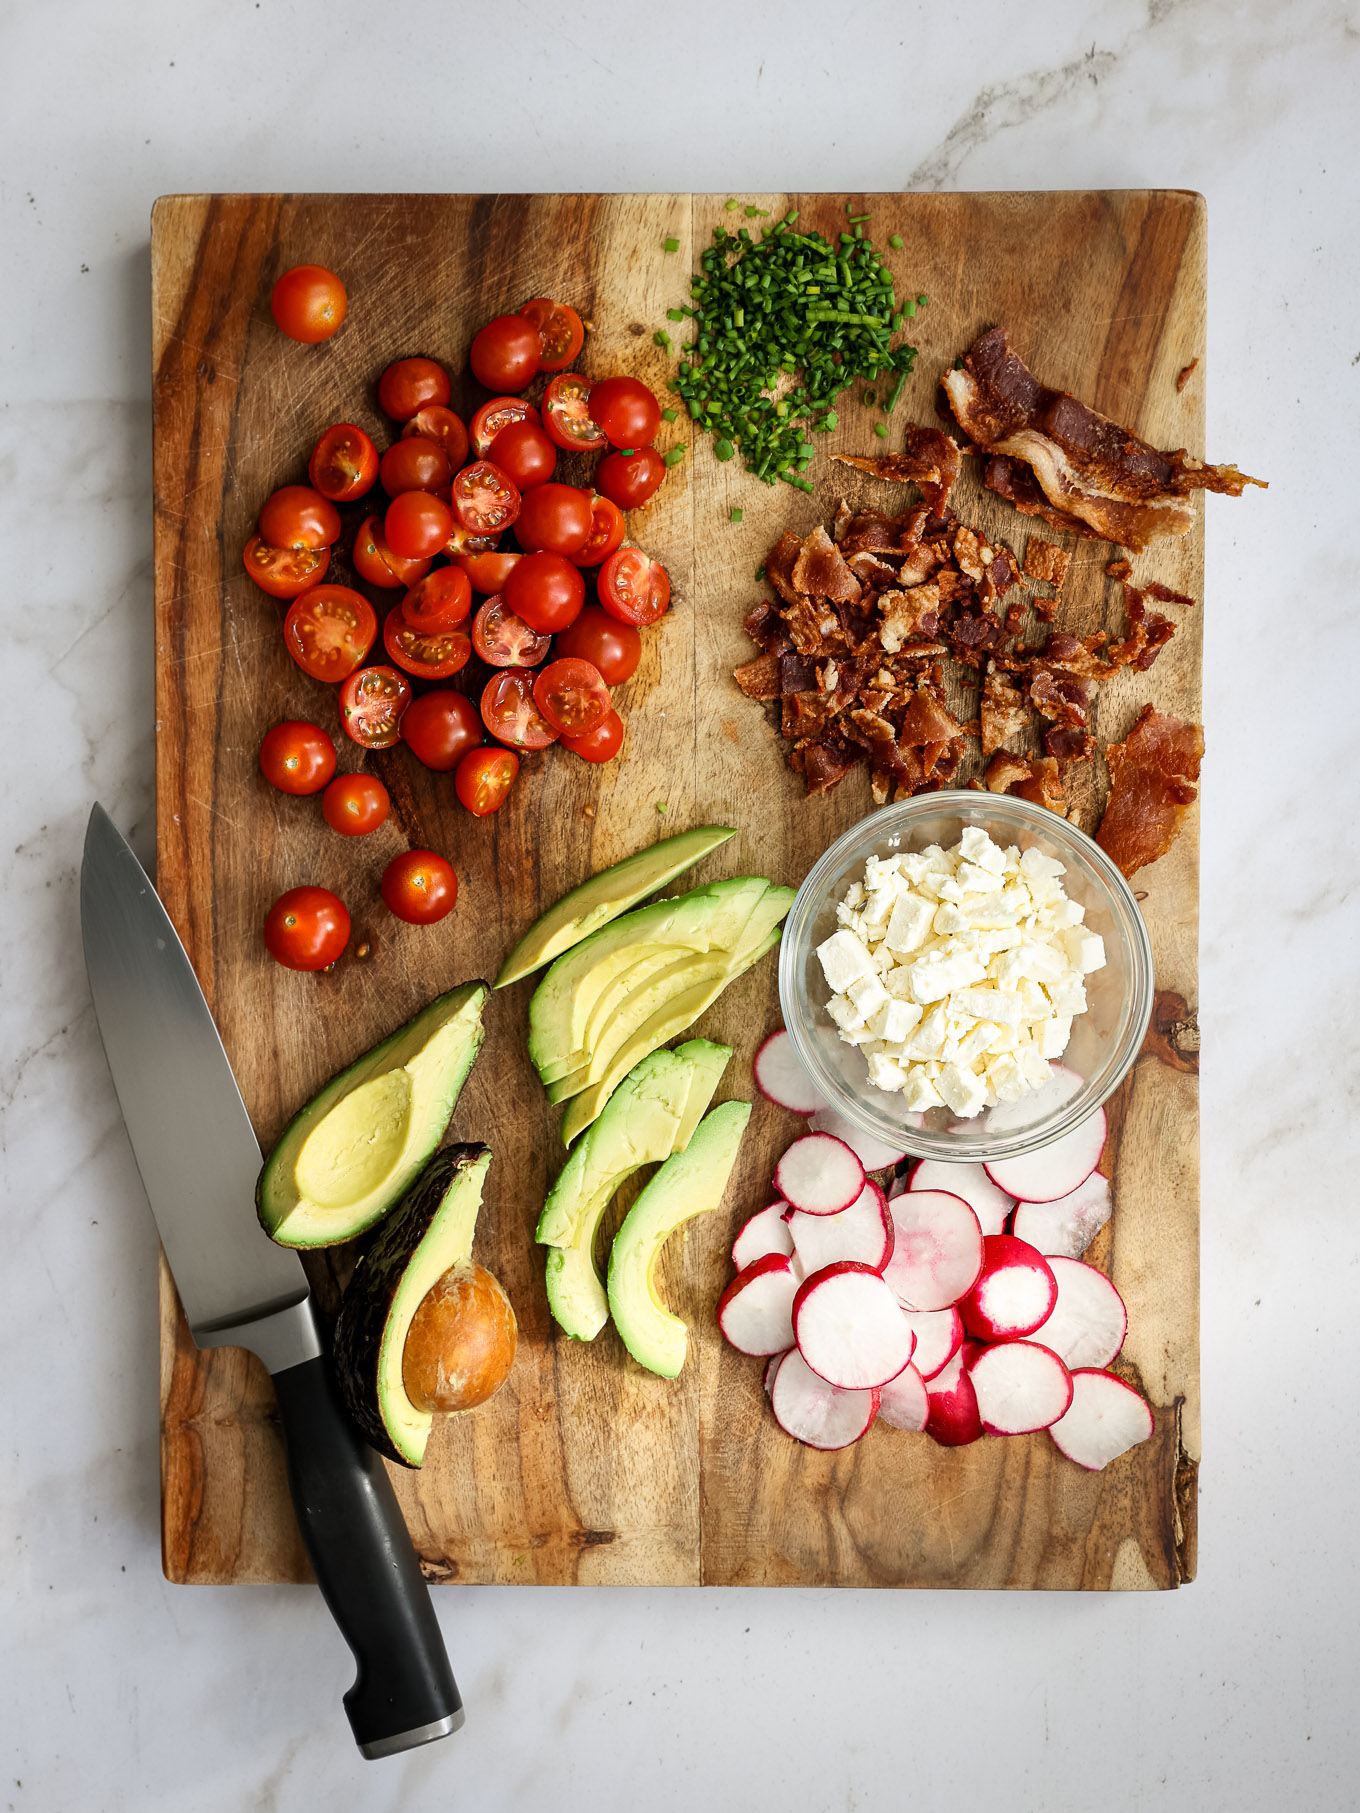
(766, 1232)
(819, 1175)
(1015, 1291)
(1020, 1387)
(971, 1182)
(938, 1250)
(1055, 1169)
(1087, 1325)
(939, 1336)
(849, 1327)
(815, 1413)
(952, 1417)
(872, 1153)
(902, 1402)
(1105, 1419)
(863, 1232)
(755, 1312)
(781, 1079)
(1065, 1228)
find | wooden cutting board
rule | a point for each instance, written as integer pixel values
(587, 1468)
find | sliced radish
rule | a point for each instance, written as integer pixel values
(1015, 1291)
(1087, 1324)
(1106, 1419)
(818, 1414)
(971, 1182)
(755, 1312)
(863, 1232)
(938, 1251)
(902, 1403)
(1020, 1387)
(939, 1336)
(766, 1232)
(1065, 1228)
(952, 1416)
(772, 1366)
(819, 1175)
(781, 1079)
(872, 1153)
(1055, 1169)
(849, 1328)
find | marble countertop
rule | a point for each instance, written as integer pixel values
(118, 1691)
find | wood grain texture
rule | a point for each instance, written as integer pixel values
(586, 1468)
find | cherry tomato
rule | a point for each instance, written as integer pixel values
(629, 479)
(488, 572)
(306, 928)
(441, 601)
(547, 591)
(606, 533)
(419, 887)
(504, 355)
(308, 303)
(438, 423)
(414, 464)
(614, 648)
(297, 757)
(633, 588)
(344, 463)
(485, 500)
(417, 525)
(566, 414)
(440, 728)
(602, 743)
(410, 385)
(463, 541)
(378, 564)
(298, 517)
(524, 452)
(572, 696)
(554, 517)
(492, 417)
(428, 654)
(627, 412)
(560, 333)
(284, 572)
(372, 705)
(509, 711)
(329, 631)
(504, 640)
(484, 778)
(355, 804)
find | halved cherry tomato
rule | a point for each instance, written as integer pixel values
(484, 778)
(417, 525)
(298, 517)
(495, 415)
(566, 414)
(524, 452)
(284, 572)
(629, 479)
(355, 804)
(560, 333)
(297, 757)
(485, 500)
(436, 422)
(372, 705)
(634, 588)
(463, 541)
(547, 591)
(409, 385)
(414, 464)
(572, 696)
(308, 303)
(376, 562)
(606, 533)
(613, 647)
(602, 743)
(306, 928)
(504, 640)
(419, 887)
(344, 463)
(488, 572)
(626, 410)
(441, 601)
(504, 354)
(555, 517)
(509, 711)
(329, 631)
(440, 728)
(428, 654)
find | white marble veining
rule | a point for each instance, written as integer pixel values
(121, 1694)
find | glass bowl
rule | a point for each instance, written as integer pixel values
(1105, 1039)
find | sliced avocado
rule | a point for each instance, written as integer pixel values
(605, 896)
(707, 1062)
(348, 1155)
(688, 1184)
(427, 1235)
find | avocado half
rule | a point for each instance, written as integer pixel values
(428, 1234)
(348, 1155)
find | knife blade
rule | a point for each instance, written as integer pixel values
(199, 1159)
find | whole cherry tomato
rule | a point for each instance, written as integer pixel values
(504, 354)
(329, 630)
(629, 479)
(417, 525)
(438, 423)
(441, 601)
(355, 804)
(440, 728)
(427, 654)
(284, 572)
(613, 647)
(344, 463)
(633, 588)
(484, 778)
(419, 887)
(378, 563)
(626, 410)
(297, 757)
(524, 452)
(606, 533)
(602, 743)
(373, 702)
(509, 711)
(566, 414)
(492, 417)
(414, 464)
(554, 517)
(487, 572)
(572, 696)
(485, 500)
(298, 517)
(306, 928)
(560, 332)
(409, 385)
(504, 640)
(308, 303)
(547, 591)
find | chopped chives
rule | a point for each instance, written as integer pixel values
(896, 392)
(734, 516)
(669, 415)
(662, 339)
(880, 429)
(723, 450)
(896, 242)
(674, 457)
(675, 314)
(923, 301)
(670, 245)
(731, 205)
(857, 217)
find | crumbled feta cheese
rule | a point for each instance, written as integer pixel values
(868, 995)
(1085, 950)
(927, 1037)
(842, 1010)
(975, 880)
(1054, 1034)
(1034, 1065)
(894, 1020)
(919, 1093)
(886, 1072)
(1006, 1077)
(986, 1004)
(940, 972)
(1068, 997)
(975, 846)
(910, 923)
(976, 1042)
(964, 1092)
(844, 960)
(1035, 863)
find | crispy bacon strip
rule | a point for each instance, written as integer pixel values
(821, 572)
(929, 459)
(1152, 776)
(759, 679)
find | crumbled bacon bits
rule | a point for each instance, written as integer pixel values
(1152, 776)
(1046, 561)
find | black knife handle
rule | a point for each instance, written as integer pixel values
(357, 1542)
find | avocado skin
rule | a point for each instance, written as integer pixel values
(368, 1299)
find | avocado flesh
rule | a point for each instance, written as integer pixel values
(428, 1234)
(628, 969)
(691, 1183)
(707, 1062)
(605, 896)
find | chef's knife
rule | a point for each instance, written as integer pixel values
(199, 1160)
